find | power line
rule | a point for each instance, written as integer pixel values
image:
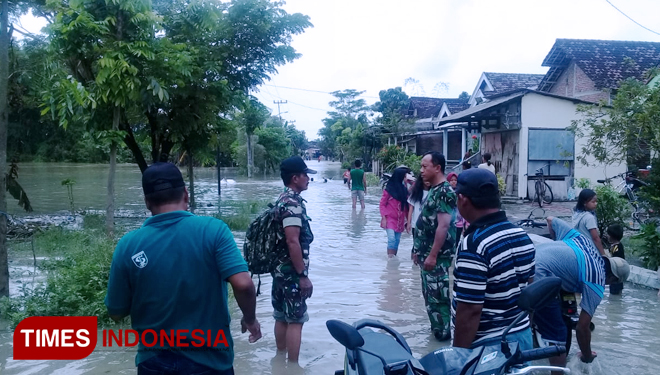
(627, 16)
(302, 105)
(316, 91)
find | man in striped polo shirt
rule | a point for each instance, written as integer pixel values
(495, 260)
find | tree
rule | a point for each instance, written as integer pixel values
(464, 95)
(105, 43)
(393, 106)
(253, 117)
(626, 130)
(5, 35)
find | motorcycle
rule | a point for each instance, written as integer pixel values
(370, 352)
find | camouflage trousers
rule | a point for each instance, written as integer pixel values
(435, 288)
(288, 304)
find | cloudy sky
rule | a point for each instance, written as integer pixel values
(374, 45)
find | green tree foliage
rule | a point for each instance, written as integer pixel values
(347, 133)
(611, 209)
(392, 107)
(394, 156)
(626, 130)
(464, 95)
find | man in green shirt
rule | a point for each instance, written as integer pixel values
(358, 184)
(171, 275)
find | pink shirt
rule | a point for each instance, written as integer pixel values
(391, 209)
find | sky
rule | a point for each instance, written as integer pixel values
(373, 45)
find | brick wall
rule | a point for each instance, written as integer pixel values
(574, 83)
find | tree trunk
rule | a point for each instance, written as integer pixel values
(132, 145)
(110, 201)
(4, 78)
(191, 183)
(250, 161)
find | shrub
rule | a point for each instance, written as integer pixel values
(394, 156)
(649, 249)
(611, 209)
(242, 214)
(501, 185)
(372, 180)
(583, 183)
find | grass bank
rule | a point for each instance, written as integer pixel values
(76, 266)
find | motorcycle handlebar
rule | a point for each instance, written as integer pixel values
(534, 354)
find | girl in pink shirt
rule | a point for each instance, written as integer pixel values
(394, 209)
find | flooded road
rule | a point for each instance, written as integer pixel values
(352, 278)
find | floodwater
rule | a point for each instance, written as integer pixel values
(352, 278)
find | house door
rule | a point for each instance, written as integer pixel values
(503, 147)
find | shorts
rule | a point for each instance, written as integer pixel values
(359, 194)
(345, 181)
(393, 239)
(288, 304)
(550, 323)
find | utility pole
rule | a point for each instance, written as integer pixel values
(278, 102)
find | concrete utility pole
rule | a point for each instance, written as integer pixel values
(278, 102)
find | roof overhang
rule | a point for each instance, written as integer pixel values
(482, 111)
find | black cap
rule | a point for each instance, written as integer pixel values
(477, 182)
(295, 164)
(161, 176)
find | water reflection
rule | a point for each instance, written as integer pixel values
(352, 277)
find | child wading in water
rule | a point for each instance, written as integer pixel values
(614, 236)
(584, 218)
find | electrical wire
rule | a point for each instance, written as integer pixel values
(627, 16)
(316, 91)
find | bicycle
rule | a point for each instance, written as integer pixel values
(628, 188)
(530, 221)
(542, 191)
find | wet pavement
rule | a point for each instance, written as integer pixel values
(353, 279)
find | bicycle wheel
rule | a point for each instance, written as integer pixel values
(548, 197)
(539, 192)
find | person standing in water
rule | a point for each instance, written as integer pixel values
(435, 243)
(394, 209)
(584, 218)
(358, 183)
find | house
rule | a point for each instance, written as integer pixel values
(591, 70)
(491, 84)
(425, 112)
(524, 131)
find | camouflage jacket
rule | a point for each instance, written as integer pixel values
(440, 199)
(291, 207)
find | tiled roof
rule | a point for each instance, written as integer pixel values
(430, 107)
(426, 107)
(605, 62)
(504, 82)
(457, 105)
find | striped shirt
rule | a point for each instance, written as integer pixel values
(494, 262)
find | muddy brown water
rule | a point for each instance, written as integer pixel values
(352, 277)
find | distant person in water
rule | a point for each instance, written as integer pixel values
(347, 177)
(394, 209)
(358, 183)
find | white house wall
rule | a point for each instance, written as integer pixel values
(544, 112)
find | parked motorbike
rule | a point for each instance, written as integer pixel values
(370, 352)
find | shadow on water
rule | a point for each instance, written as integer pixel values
(352, 276)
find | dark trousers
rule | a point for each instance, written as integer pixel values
(170, 363)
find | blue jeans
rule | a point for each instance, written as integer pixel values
(171, 363)
(524, 339)
(393, 239)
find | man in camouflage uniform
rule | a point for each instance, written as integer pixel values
(434, 243)
(291, 286)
